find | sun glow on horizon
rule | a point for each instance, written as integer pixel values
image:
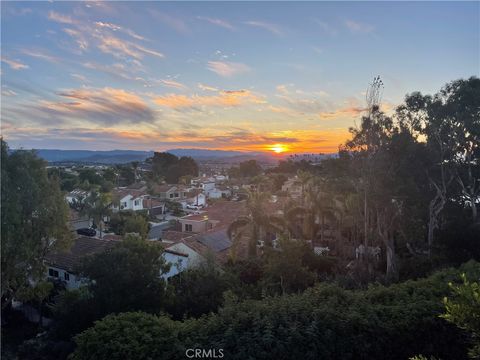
(278, 148)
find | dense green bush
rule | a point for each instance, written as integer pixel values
(325, 322)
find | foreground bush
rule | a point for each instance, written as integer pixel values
(325, 322)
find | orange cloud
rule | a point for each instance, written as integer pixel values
(223, 99)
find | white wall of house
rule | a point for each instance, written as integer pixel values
(194, 258)
(207, 186)
(178, 263)
(71, 281)
(217, 193)
(128, 202)
(198, 200)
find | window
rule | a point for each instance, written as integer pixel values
(171, 196)
(188, 227)
(124, 204)
(137, 202)
(53, 273)
(176, 195)
(66, 276)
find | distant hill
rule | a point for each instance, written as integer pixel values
(126, 156)
(204, 153)
(92, 156)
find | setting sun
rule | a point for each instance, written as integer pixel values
(278, 148)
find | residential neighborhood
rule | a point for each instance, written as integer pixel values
(240, 180)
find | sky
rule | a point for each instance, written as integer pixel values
(248, 76)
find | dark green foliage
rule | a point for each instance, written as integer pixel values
(463, 309)
(129, 222)
(197, 292)
(171, 168)
(73, 312)
(126, 277)
(325, 322)
(127, 175)
(278, 181)
(291, 166)
(90, 176)
(249, 168)
(68, 181)
(33, 213)
(175, 208)
(129, 336)
(284, 271)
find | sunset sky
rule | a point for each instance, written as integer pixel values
(219, 75)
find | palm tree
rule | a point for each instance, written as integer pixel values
(317, 207)
(257, 221)
(305, 178)
(135, 168)
(97, 206)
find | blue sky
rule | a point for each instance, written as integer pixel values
(222, 75)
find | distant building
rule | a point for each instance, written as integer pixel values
(170, 192)
(77, 195)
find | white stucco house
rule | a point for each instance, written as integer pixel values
(219, 192)
(128, 199)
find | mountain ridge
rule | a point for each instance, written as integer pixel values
(126, 156)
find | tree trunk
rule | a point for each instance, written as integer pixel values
(392, 271)
(252, 246)
(435, 208)
(365, 210)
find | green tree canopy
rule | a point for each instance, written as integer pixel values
(127, 277)
(129, 336)
(34, 219)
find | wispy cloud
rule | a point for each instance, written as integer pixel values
(104, 36)
(218, 22)
(96, 105)
(222, 99)
(60, 18)
(40, 54)
(115, 27)
(15, 64)
(173, 84)
(273, 28)
(79, 77)
(8, 92)
(358, 27)
(207, 87)
(227, 69)
(350, 108)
